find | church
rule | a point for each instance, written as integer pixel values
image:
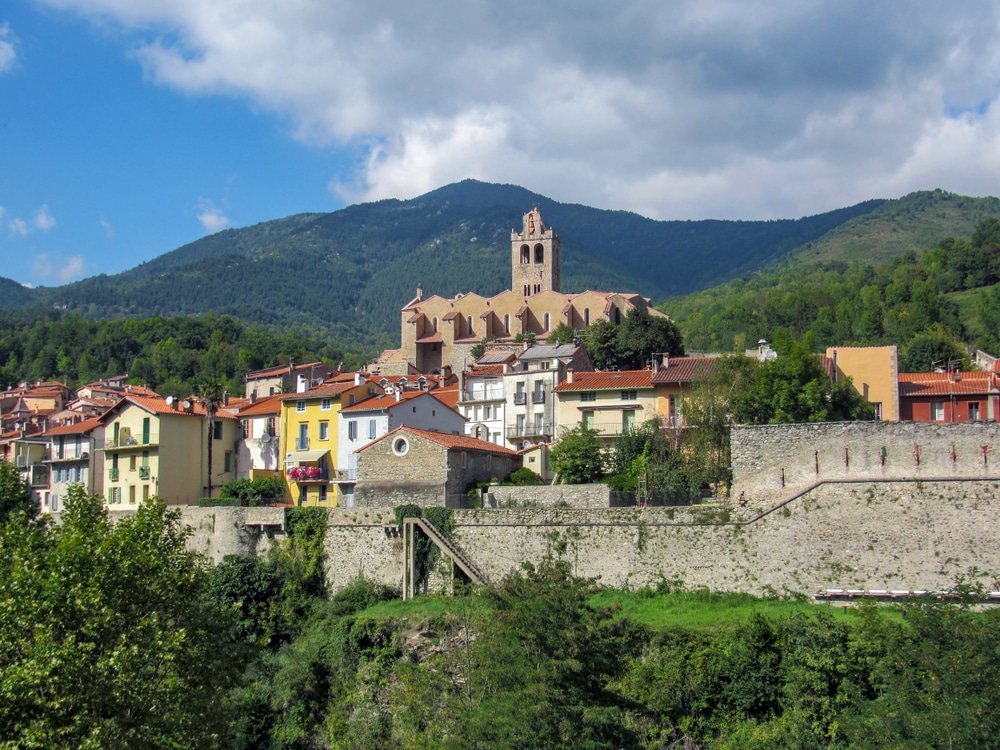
(439, 333)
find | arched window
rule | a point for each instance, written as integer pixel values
(471, 331)
(618, 316)
(545, 321)
(586, 316)
(434, 323)
(539, 254)
(506, 325)
(525, 254)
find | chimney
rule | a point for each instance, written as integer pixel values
(569, 374)
(399, 394)
(666, 361)
(359, 379)
(253, 397)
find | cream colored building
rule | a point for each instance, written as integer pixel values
(609, 402)
(155, 446)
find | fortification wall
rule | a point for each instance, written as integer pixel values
(770, 462)
(549, 496)
(870, 537)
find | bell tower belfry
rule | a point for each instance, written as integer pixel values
(534, 257)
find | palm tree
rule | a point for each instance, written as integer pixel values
(211, 392)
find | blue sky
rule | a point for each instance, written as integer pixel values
(131, 127)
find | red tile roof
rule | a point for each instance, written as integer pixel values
(915, 384)
(447, 395)
(160, 406)
(327, 390)
(386, 401)
(604, 381)
(75, 428)
(451, 442)
(263, 407)
(684, 370)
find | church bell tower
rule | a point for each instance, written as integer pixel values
(534, 257)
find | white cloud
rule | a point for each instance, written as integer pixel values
(8, 55)
(55, 268)
(109, 230)
(677, 109)
(211, 218)
(44, 219)
(18, 227)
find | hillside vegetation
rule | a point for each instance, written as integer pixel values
(927, 304)
(347, 274)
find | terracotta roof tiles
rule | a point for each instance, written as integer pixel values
(598, 381)
(684, 370)
(912, 384)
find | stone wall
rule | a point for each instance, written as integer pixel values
(771, 462)
(549, 496)
(217, 532)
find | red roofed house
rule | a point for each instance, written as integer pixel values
(156, 446)
(609, 402)
(671, 377)
(259, 450)
(949, 396)
(409, 465)
(73, 458)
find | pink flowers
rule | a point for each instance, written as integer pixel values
(300, 473)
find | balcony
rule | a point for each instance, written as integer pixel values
(124, 442)
(143, 472)
(609, 429)
(520, 397)
(543, 429)
(302, 444)
(39, 476)
(489, 394)
(69, 456)
(113, 475)
(538, 397)
(344, 475)
(307, 474)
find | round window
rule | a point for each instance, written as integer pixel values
(400, 447)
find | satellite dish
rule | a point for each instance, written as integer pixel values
(265, 438)
(169, 400)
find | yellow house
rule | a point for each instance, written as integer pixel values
(609, 402)
(874, 370)
(309, 438)
(156, 446)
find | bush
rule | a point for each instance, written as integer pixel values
(254, 492)
(523, 477)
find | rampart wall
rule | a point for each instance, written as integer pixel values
(863, 523)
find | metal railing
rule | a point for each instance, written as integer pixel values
(113, 475)
(529, 430)
(490, 394)
(538, 397)
(302, 444)
(143, 472)
(131, 441)
(520, 397)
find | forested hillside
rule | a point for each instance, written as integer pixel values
(172, 355)
(348, 273)
(927, 304)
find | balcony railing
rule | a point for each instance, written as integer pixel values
(113, 475)
(538, 397)
(143, 472)
(306, 474)
(490, 394)
(302, 444)
(131, 441)
(520, 397)
(39, 476)
(529, 431)
(610, 429)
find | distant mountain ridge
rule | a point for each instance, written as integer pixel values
(347, 273)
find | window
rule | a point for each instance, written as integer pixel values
(326, 404)
(227, 461)
(487, 410)
(974, 412)
(371, 429)
(588, 420)
(539, 254)
(145, 492)
(269, 426)
(322, 490)
(471, 332)
(465, 459)
(131, 494)
(506, 325)
(133, 462)
(217, 430)
(400, 446)
(300, 406)
(629, 396)
(628, 419)
(245, 424)
(545, 321)
(588, 396)
(352, 430)
(586, 316)
(324, 430)
(937, 411)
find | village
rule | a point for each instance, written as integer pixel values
(475, 392)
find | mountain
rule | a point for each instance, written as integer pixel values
(346, 274)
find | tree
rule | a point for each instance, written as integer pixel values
(643, 336)
(561, 334)
(930, 349)
(577, 457)
(211, 396)
(107, 635)
(599, 340)
(15, 494)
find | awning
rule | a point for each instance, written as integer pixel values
(300, 456)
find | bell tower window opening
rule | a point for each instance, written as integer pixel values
(539, 254)
(525, 254)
